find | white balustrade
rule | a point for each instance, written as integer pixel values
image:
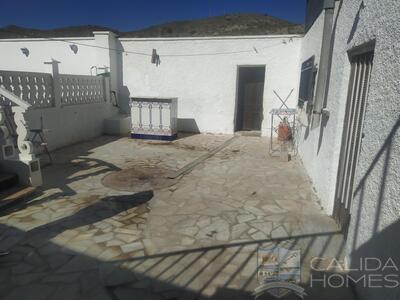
(6, 139)
(25, 164)
(81, 89)
(34, 88)
(23, 91)
(38, 89)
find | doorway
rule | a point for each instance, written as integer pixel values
(250, 91)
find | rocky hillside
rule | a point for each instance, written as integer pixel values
(238, 24)
(235, 24)
(13, 31)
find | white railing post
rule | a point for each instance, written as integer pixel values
(26, 165)
(106, 89)
(56, 81)
(6, 140)
(31, 170)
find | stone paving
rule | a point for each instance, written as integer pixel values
(196, 238)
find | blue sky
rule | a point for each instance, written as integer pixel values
(128, 15)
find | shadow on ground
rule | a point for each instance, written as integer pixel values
(39, 268)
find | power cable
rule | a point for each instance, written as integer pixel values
(163, 55)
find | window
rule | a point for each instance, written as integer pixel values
(307, 83)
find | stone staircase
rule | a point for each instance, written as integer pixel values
(11, 192)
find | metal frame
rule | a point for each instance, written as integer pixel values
(280, 113)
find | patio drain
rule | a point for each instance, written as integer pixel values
(139, 179)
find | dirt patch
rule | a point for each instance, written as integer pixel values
(175, 144)
(139, 179)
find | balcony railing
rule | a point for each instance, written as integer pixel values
(21, 92)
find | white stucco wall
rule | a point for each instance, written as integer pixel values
(44, 50)
(319, 148)
(319, 164)
(375, 220)
(205, 85)
(312, 40)
(70, 124)
(375, 210)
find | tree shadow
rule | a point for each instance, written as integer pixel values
(73, 163)
(367, 219)
(355, 23)
(359, 192)
(105, 208)
(382, 249)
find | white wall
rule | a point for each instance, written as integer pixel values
(70, 124)
(312, 40)
(321, 159)
(375, 220)
(375, 210)
(205, 85)
(43, 50)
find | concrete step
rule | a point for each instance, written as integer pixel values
(119, 125)
(7, 181)
(14, 196)
(248, 133)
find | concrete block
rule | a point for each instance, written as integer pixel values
(119, 125)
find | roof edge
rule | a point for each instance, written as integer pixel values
(228, 37)
(51, 39)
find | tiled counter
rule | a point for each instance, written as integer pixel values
(154, 118)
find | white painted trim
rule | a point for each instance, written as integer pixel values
(54, 39)
(238, 37)
(104, 33)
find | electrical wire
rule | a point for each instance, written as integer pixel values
(253, 50)
(98, 47)
(219, 53)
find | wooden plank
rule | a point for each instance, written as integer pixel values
(190, 166)
(253, 105)
(15, 196)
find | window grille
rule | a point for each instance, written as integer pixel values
(361, 67)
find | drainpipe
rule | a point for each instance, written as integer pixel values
(325, 59)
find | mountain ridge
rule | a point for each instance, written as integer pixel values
(226, 25)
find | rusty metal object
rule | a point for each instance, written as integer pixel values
(284, 130)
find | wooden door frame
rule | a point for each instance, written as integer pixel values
(238, 67)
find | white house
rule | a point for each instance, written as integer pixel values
(343, 74)
(351, 146)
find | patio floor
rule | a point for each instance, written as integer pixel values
(194, 237)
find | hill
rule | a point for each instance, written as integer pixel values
(237, 24)
(227, 25)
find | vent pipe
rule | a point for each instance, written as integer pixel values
(325, 59)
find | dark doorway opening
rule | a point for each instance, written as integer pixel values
(250, 91)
